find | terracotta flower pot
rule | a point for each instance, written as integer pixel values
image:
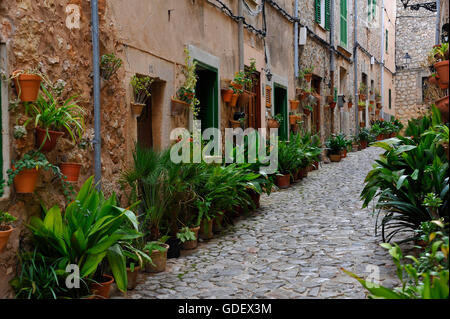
(272, 123)
(433, 79)
(283, 181)
(308, 77)
(446, 148)
(103, 288)
(316, 165)
(303, 172)
(132, 277)
(362, 124)
(307, 112)
(28, 85)
(442, 105)
(256, 199)
(227, 94)
(234, 99)
(394, 134)
(363, 97)
(294, 104)
(50, 141)
(363, 144)
(5, 232)
(25, 182)
(335, 157)
(244, 99)
(159, 259)
(206, 229)
(237, 86)
(217, 225)
(177, 106)
(442, 70)
(350, 105)
(292, 119)
(137, 108)
(343, 153)
(380, 137)
(71, 170)
(192, 244)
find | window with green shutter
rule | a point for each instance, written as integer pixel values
(387, 41)
(327, 14)
(374, 7)
(344, 23)
(371, 9)
(318, 12)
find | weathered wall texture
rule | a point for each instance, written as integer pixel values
(416, 36)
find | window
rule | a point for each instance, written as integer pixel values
(390, 99)
(387, 41)
(323, 13)
(344, 23)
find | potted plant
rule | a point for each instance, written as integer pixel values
(27, 83)
(135, 258)
(275, 122)
(109, 65)
(294, 104)
(433, 79)
(5, 228)
(362, 91)
(350, 101)
(227, 95)
(157, 250)
(443, 105)
(292, 118)
(307, 109)
(189, 237)
(71, 170)
(441, 66)
(286, 164)
(25, 172)
(205, 220)
(307, 73)
(141, 92)
(364, 137)
(334, 146)
(361, 106)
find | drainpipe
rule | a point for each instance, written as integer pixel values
(355, 63)
(332, 62)
(438, 22)
(383, 45)
(96, 67)
(296, 39)
(241, 35)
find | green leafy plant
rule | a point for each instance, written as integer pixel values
(185, 234)
(364, 134)
(186, 92)
(334, 144)
(6, 219)
(249, 72)
(362, 88)
(109, 65)
(440, 52)
(279, 118)
(141, 88)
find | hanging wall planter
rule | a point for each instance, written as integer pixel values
(71, 171)
(308, 77)
(50, 139)
(5, 233)
(234, 99)
(294, 104)
(272, 123)
(433, 79)
(27, 86)
(137, 108)
(237, 86)
(442, 69)
(350, 105)
(178, 106)
(292, 119)
(363, 97)
(244, 99)
(25, 182)
(227, 95)
(443, 105)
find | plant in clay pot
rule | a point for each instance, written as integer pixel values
(157, 250)
(188, 237)
(307, 109)
(141, 92)
(5, 228)
(135, 257)
(27, 83)
(334, 147)
(350, 101)
(275, 122)
(361, 106)
(109, 65)
(307, 73)
(362, 91)
(441, 54)
(286, 164)
(294, 104)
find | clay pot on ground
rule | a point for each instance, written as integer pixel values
(234, 99)
(308, 77)
(132, 277)
(25, 182)
(48, 141)
(343, 153)
(272, 123)
(362, 124)
(380, 137)
(206, 229)
(102, 289)
(255, 198)
(442, 105)
(283, 181)
(137, 108)
(217, 225)
(192, 244)
(71, 171)
(178, 107)
(335, 157)
(442, 69)
(363, 144)
(5, 233)
(159, 259)
(303, 172)
(394, 134)
(27, 87)
(315, 165)
(446, 148)
(227, 95)
(294, 104)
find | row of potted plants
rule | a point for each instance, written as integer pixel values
(240, 87)
(385, 129)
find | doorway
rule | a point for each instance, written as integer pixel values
(280, 99)
(207, 92)
(253, 109)
(315, 120)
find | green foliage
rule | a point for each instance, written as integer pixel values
(6, 218)
(335, 143)
(190, 83)
(364, 134)
(109, 64)
(185, 234)
(279, 118)
(141, 88)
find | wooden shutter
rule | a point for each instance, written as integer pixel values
(387, 40)
(369, 10)
(344, 23)
(374, 7)
(268, 96)
(327, 14)
(318, 12)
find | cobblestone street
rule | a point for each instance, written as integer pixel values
(293, 247)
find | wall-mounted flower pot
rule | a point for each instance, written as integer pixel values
(244, 99)
(237, 86)
(442, 69)
(206, 229)
(71, 170)
(159, 259)
(362, 124)
(306, 112)
(5, 232)
(178, 107)
(294, 104)
(132, 277)
(192, 244)
(137, 108)
(227, 94)
(377, 112)
(50, 141)
(234, 99)
(29, 87)
(363, 97)
(272, 123)
(102, 289)
(283, 181)
(292, 119)
(335, 157)
(308, 77)
(442, 105)
(350, 105)
(25, 182)
(378, 105)
(235, 124)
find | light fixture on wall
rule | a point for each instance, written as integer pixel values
(406, 60)
(269, 75)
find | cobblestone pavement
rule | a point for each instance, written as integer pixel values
(293, 247)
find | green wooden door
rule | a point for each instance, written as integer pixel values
(280, 99)
(208, 94)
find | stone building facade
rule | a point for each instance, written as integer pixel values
(415, 31)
